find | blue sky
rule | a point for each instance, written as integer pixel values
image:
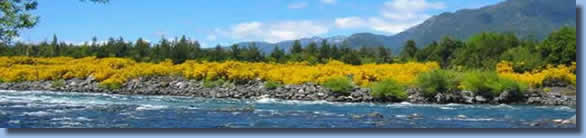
(227, 21)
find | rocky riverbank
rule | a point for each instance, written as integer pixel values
(178, 86)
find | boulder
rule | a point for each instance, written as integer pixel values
(468, 97)
(375, 115)
(480, 99)
(415, 96)
(570, 121)
(509, 97)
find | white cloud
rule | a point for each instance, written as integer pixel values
(396, 16)
(298, 5)
(350, 22)
(408, 9)
(274, 32)
(393, 27)
(328, 1)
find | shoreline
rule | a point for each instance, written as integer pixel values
(178, 86)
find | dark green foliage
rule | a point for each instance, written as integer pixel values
(560, 46)
(351, 58)
(272, 85)
(524, 58)
(252, 54)
(384, 55)
(297, 49)
(15, 15)
(483, 50)
(389, 88)
(438, 81)
(311, 50)
(409, 51)
(442, 53)
(324, 51)
(235, 53)
(278, 55)
(339, 85)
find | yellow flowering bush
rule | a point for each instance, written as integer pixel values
(116, 71)
(537, 77)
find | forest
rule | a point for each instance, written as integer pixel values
(481, 51)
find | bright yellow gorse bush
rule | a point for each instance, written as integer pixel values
(537, 77)
(119, 70)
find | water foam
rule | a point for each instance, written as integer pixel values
(38, 113)
(150, 107)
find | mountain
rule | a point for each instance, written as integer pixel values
(533, 19)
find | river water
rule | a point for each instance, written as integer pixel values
(36, 109)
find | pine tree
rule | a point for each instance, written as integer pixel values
(235, 52)
(297, 48)
(324, 52)
(409, 50)
(278, 54)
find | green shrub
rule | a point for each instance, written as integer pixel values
(57, 83)
(489, 84)
(111, 86)
(272, 85)
(213, 83)
(437, 81)
(388, 88)
(339, 85)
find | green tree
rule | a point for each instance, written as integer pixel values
(297, 48)
(352, 58)
(252, 54)
(142, 50)
(324, 51)
(311, 49)
(560, 47)
(483, 51)
(384, 55)
(235, 52)
(409, 50)
(278, 55)
(335, 52)
(218, 54)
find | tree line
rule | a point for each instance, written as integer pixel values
(481, 51)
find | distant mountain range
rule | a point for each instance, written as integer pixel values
(525, 18)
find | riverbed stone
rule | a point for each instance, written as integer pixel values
(179, 86)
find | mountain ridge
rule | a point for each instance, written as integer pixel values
(530, 19)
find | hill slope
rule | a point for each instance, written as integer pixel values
(525, 18)
(533, 19)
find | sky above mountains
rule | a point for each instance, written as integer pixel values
(229, 21)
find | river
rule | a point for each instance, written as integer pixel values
(37, 109)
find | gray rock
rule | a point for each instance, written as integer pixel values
(570, 121)
(468, 97)
(375, 115)
(415, 96)
(480, 99)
